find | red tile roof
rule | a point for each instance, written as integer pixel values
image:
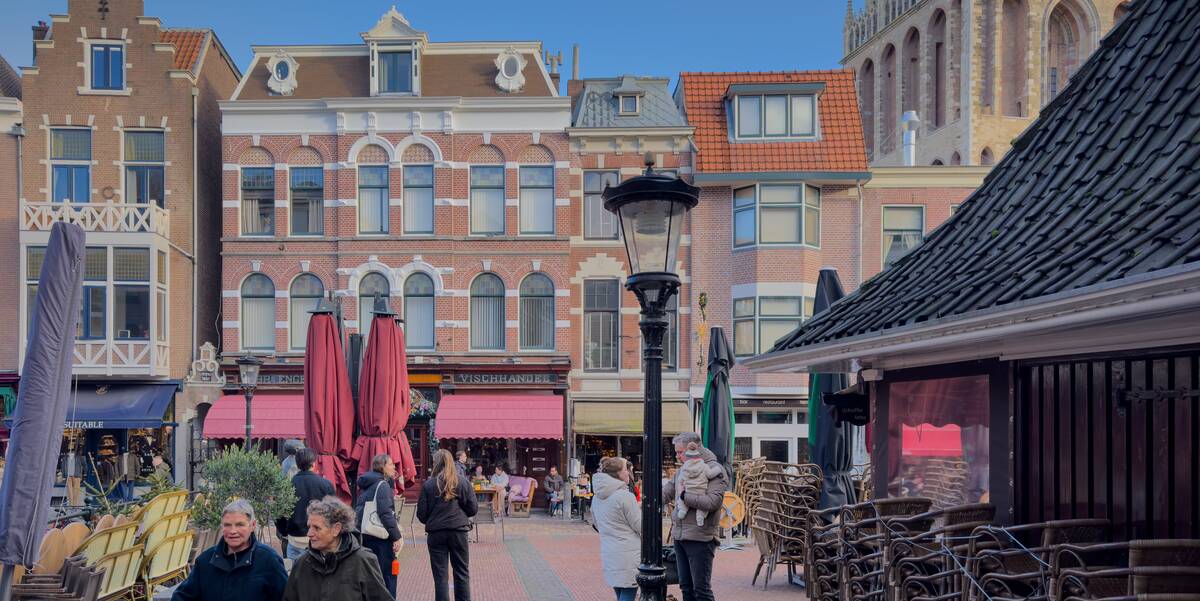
(840, 148)
(188, 44)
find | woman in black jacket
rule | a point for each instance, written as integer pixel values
(446, 506)
(377, 485)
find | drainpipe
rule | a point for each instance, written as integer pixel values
(861, 245)
(195, 216)
(18, 132)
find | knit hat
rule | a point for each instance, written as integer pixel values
(693, 451)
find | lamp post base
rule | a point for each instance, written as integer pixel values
(652, 580)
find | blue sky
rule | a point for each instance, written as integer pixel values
(648, 38)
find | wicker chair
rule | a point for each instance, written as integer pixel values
(1030, 573)
(786, 493)
(864, 544)
(926, 553)
(1128, 570)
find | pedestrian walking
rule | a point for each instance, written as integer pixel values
(309, 487)
(238, 567)
(460, 463)
(695, 541)
(446, 505)
(376, 485)
(72, 470)
(554, 486)
(289, 466)
(618, 519)
(335, 567)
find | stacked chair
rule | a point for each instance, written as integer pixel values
(73, 581)
(784, 495)
(1142, 570)
(931, 542)
(945, 481)
(848, 546)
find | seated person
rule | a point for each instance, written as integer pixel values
(583, 493)
(477, 477)
(500, 483)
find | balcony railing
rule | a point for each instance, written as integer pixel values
(97, 217)
(121, 357)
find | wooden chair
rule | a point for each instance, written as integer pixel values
(52, 552)
(520, 495)
(105, 522)
(121, 571)
(167, 561)
(107, 541)
(164, 504)
(165, 527)
(76, 581)
(74, 534)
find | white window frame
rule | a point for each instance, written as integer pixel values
(242, 203)
(521, 325)
(433, 201)
(757, 211)
(300, 345)
(521, 201)
(126, 164)
(637, 105)
(292, 207)
(883, 231)
(503, 315)
(242, 316)
(503, 206)
(762, 119)
(583, 338)
(414, 80)
(386, 206)
(433, 305)
(87, 88)
(757, 318)
(616, 222)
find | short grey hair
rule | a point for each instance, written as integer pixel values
(379, 461)
(333, 511)
(682, 439)
(241, 506)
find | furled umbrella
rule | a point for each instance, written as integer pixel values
(328, 407)
(831, 443)
(42, 402)
(716, 421)
(383, 403)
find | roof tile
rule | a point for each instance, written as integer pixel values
(188, 43)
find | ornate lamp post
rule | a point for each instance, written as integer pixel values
(651, 208)
(248, 366)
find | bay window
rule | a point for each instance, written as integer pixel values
(759, 322)
(777, 214)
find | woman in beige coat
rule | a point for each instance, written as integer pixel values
(618, 518)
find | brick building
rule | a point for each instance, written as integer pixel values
(785, 191)
(122, 136)
(10, 148)
(976, 72)
(434, 175)
(615, 122)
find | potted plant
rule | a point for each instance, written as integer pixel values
(254, 476)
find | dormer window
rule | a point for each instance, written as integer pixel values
(629, 104)
(395, 72)
(776, 116)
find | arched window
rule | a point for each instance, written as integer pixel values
(887, 105)
(866, 89)
(419, 320)
(258, 313)
(956, 159)
(487, 313)
(910, 90)
(306, 292)
(1013, 68)
(938, 68)
(985, 158)
(987, 84)
(1067, 45)
(537, 313)
(937, 163)
(372, 285)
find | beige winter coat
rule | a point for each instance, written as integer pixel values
(619, 520)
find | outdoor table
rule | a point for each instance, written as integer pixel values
(485, 514)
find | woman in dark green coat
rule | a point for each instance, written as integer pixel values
(336, 567)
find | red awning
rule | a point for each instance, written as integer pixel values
(926, 440)
(500, 416)
(272, 416)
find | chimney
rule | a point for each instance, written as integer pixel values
(553, 61)
(574, 85)
(40, 32)
(909, 123)
(575, 61)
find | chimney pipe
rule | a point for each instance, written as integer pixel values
(575, 61)
(909, 122)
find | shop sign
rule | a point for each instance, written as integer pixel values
(763, 403)
(277, 379)
(96, 424)
(849, 406)
(506, 378)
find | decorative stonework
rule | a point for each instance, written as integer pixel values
(283, 73)
(510, 70)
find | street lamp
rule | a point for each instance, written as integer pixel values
(248, 366)
(651, 208)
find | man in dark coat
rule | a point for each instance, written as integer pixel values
(238, 567)
(309, 487)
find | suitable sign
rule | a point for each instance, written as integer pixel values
(506, 379)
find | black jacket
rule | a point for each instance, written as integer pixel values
(439, 514)
(253, 575)
(350, 573)
(310, 487)
(385, 502)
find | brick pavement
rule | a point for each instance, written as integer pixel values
(543, 559)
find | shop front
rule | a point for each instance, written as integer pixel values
(614, 428)
(776, 429)
(276, 409)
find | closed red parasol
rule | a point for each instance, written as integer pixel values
(328, 407)
(383, 397)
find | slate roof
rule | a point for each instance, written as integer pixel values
(1105, 185)
(839, 148)
(188, 45)
(597, 105)
(10, 82)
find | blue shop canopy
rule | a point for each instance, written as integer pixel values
(117, 406)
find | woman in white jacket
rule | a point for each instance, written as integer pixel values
(619, 521)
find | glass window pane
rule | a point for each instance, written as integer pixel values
(812, 196)
(419, 322)
(743, 417)
(34, 256)
(774, 450)
(601, 295)
(162, 267)
(307, 178)
(487, 211)
(258, 178)
(780, 194)
(771, 330)
(902, 218)
(743, 447)
(418, 175)
(599, 223)
(93, 313)
(939, 429)
(418, 284)
(779, 306)
(259, 286)
(299, 319)
(307, 286)
(812, 226)
(743, 227)
(116, 68)
(600, 340)
(144, 146)
(775, 112)
(372, 284)
(803, 117)
(131, 312)
(537, 211)
(487, 322)
(629, 104)
(743, 337)
(131, 264)
(749, 116)
(99, 67)
(81, 184)
(394, 71)
(160, 315)
(537, 322)
(743, 197)
(743, 307)
(780, 225)
(774, 417)
(71, 144)
(491, 177)
(258, 323)
(418, 210)
(96, 266)
(373, 176)
(30, 302)
(537, 176)
(372, 210)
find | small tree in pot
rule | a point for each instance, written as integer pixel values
(239, 474)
